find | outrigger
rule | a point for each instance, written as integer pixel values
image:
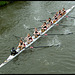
(34, 39)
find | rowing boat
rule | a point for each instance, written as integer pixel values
(34, 39)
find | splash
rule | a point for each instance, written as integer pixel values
(55, 41)
(36, 18)
(49, 12)
(50, 43)
(25, 26)
(45, 62)
(66, 31)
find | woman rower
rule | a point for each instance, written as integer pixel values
(55, 18)
(44, 27)
(50, 22)
(56, 14)
(29, 39)
(36, 33)
(60, 14)
(63, 10)
(21, 45)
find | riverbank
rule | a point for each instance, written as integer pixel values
(3, 3)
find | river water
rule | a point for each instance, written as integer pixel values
(14, 21)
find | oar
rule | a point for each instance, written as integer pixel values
(40, 27)
(70, 17)
(37, 27)
(41, 20)
(52, 12)
(16, 36)
(33, 28)
(45, 35)
(65, 16)
(19, 37)
(58, 34)
(43, 46)
(63, 25)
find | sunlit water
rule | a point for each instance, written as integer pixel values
(14, 21)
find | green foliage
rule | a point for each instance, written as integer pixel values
(3, 3)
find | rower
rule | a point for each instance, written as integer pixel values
(56, 14)
(55, 18)
(64, 11)
(60, 14)
(21, 45)
(13, 51)
(36, 33)
(50, 22)
(44, 27)
(29, 39)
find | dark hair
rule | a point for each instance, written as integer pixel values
(21, 40)
(49, 18)
(12, 47)
(45, 22)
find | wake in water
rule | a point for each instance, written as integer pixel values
(66, 31)
(49, 12)
(55, 41)
(25, 26)
(36, 18)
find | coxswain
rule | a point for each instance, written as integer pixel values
(29, 39)
(64, 11)
(13, 51)
(44, 27)
(36, 33)
(21, 45)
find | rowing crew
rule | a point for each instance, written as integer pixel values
(36, 33)
(49, 22)
(59, 14)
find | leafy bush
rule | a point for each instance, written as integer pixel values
(3, 3)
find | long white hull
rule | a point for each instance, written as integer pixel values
(34, 39)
